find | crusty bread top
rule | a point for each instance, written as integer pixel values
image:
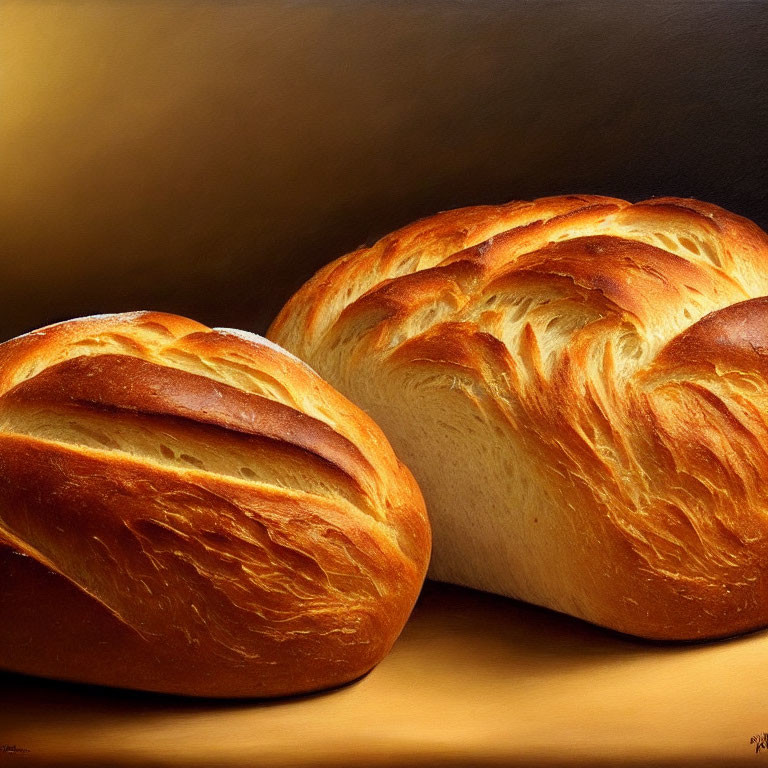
(616, 356)
(481, 244)
(157, 364)
(213, 495)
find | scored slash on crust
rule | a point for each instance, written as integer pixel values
(201, 513)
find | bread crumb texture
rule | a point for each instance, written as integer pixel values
(580, 386)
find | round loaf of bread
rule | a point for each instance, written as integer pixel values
(580, 387)
(195, 511)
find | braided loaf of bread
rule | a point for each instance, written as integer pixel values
(580, 386)
(194, 511)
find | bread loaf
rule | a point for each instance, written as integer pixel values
(580, 387)
(194, 511)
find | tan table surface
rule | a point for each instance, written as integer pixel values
(474, 680)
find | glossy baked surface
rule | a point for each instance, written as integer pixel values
(580, 387)
(193, 510)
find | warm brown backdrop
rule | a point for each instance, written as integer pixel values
(206, 157)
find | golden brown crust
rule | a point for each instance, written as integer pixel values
(125, 383)
(195, 511)
(580, 386)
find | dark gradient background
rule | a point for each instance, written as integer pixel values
(206, 158)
